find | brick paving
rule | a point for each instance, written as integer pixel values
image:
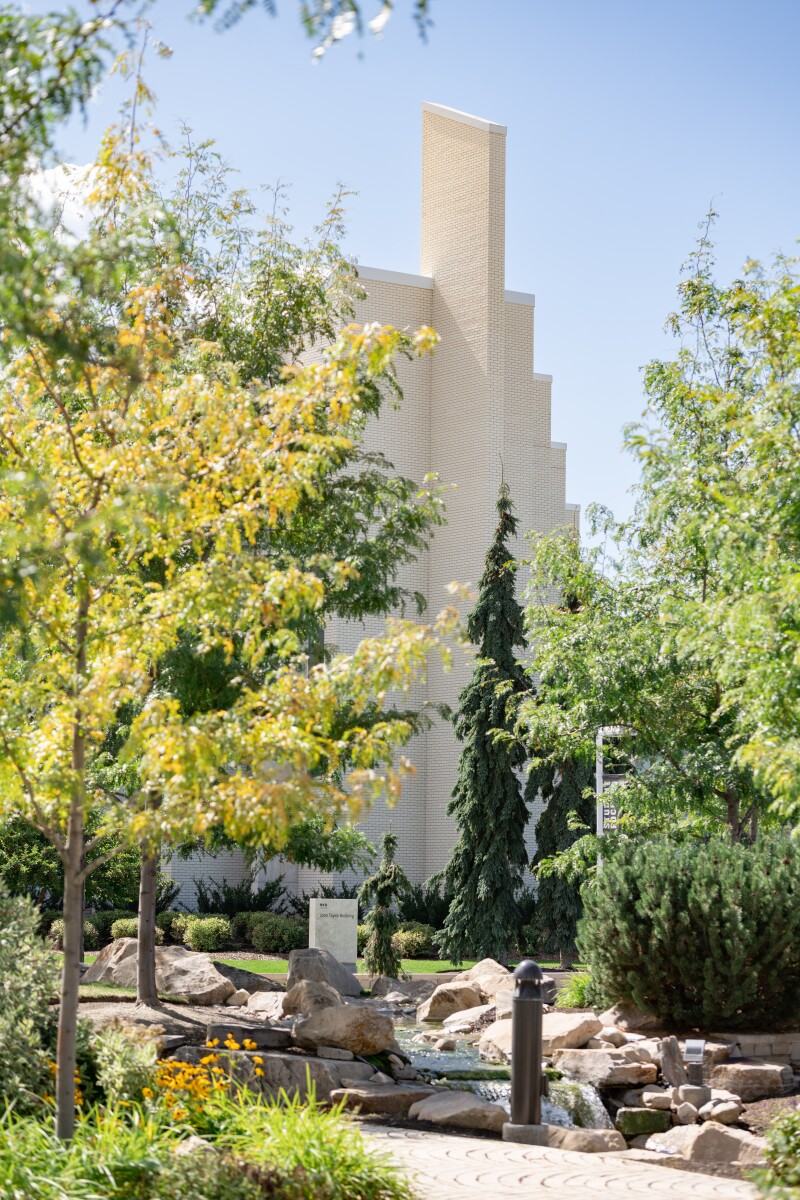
(463, 1168)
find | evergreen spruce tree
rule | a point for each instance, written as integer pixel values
(384, 890)
(485, 872)
(558, 901)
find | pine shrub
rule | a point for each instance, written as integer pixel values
(486, 869)
(207, 933)
(272, 934)
(704, 936)
(383, 890)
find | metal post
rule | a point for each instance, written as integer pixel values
(526, 1057)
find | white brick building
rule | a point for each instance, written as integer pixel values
(476, 403)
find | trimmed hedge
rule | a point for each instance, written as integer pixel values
(173, 923)
(128, 927)
(703, 936)
(104, 919)
(270, 934)
(207, 933)
(91, 938)
(415, 940)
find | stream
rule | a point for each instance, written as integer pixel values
(570, 1101)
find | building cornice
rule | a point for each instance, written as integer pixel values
(520, 298)
(379, 275)
(452, 114)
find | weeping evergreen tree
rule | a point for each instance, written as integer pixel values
(384, 890)
(485, 872)
(558, 901)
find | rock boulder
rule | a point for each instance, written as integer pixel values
(464, 1110)
(319, 966)
(715, 1143)
(449, 998)
(391, 1099)
(308, 997)
(604, 1068)
(585, 1141)
(350, 1027)
(752, 1080)
(495, 1043)
(569, 1031)
(179, 972)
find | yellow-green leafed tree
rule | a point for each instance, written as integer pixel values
(132, 495)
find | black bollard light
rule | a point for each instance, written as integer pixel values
(526, 1045)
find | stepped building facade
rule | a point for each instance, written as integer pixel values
(473, 412)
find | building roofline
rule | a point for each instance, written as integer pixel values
(381, 276)
(520, 298)
(559, 446)
(542, 378)
(453, 114)
(572, 507)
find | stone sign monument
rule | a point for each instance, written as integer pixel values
(333, 926)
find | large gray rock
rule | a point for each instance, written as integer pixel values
(495, 1043)
(308, 997)
(586, 1141)
(179, 972)
(569, 1031)
(449, 998)
(604, 1068)
(630, 1019)
(248, 981)
(464, 1110)
(267, 1005)
(753, 1080)
(392, 1099)
(470, 1019)
(715, 1143)
(290, 1073)
(351, 1027)
(319, 966)
(671, 1062)
(633, 1122)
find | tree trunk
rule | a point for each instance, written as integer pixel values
(70, 980)
(753, 824)
(732, 816)
(146, 950)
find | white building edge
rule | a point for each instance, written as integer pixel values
(474, 408)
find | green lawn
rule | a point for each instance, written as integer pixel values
(412, 966)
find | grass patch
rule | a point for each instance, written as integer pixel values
(105, 991)
(412, 966)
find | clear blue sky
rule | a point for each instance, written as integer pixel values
(625, 120)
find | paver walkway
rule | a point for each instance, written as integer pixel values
(464, 1168)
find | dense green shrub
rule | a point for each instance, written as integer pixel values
(207, 933)
(781, 1180)
(415, 940)
(286, 1151)
(28, 979)
(704, 936)
(173, 924)
(91, 938)
(426, 903)
(227, 899)
(128, 927)
(362, 937)
(270, 933)
(46, 918)
(299, 906)
(104, 919)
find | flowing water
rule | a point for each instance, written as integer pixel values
(570, 1101)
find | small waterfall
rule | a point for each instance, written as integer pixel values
(570, 1101)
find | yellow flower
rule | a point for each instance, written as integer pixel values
(259, 1071)
(258, 1059)
(249, 1044)
(147, 1093)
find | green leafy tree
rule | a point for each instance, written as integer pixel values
(485, 871)
(30, 866)
(719, 451)
(384, 891)
(567, 812)
(604, 656)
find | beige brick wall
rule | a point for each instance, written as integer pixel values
(474, 410)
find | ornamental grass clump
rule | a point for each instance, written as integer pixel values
(702, 935)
